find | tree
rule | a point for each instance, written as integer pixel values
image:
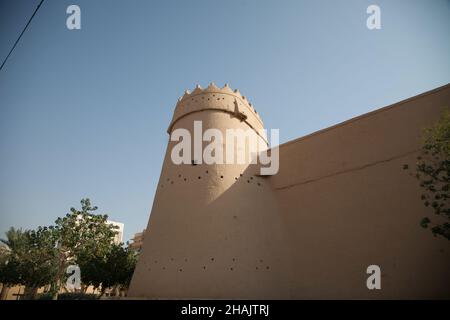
(119, 267)
(9, 275)
(80, 235)
(113, 269)
(8, 272)
(433, 172)
(37, 266)
(92, 270)
(30, 260)
(35, 258)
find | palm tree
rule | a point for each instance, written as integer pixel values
(15, 239)
(10, 248)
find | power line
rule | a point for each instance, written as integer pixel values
(31, 18)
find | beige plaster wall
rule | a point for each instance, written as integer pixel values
(215, 230)
(340, 203)
(347, 203)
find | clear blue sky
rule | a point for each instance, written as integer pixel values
(84, 113)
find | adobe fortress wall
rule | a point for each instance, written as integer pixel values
(340, 202)
(215, 230)
(347, 203)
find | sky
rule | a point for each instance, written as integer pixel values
(84, 113)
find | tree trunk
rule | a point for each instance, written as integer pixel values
(30, 293)
(4, 293)
(59, 274)
(55, 290)
(102, 292)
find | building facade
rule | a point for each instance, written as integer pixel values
(118, 238)
(137, 241)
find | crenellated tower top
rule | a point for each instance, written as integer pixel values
(214, 98)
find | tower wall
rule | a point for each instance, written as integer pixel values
(215, 230)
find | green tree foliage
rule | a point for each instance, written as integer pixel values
(30, 260)
(81, 235)
(433, 172)
(111, 270)
(35, 258)
(9, 261)
(37, 265)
